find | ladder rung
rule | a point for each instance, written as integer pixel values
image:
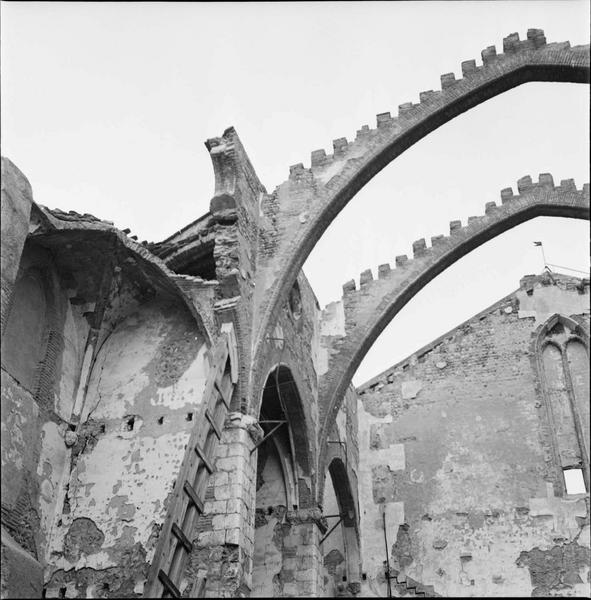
(218, 387)
(168, 585)
(190, 491)
(214, 425)
(182, 538)
(204, 458)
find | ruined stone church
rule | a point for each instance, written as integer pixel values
(178, 418)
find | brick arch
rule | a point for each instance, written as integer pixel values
(367, 311)
(300, 210)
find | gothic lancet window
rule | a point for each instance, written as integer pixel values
(563, 362)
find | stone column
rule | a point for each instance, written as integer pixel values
(302, 555)
(222, 560)
(17, 198)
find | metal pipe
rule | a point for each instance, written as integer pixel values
(387, 554)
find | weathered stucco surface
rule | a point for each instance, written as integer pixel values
(454, 448)
(145, 386)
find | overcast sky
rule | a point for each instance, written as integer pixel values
(106, 107)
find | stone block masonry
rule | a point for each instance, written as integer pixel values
(224, 536)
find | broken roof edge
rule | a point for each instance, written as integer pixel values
(524, 282)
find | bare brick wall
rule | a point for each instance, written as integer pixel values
(456, 449)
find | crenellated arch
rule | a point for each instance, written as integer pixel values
(367, 311)
(300, 210)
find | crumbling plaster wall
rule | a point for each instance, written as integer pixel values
(271, 527)
(454, 448)
(143, 396)
(43, 348)
(235, 209)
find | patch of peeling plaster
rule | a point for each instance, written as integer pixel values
(548, 300)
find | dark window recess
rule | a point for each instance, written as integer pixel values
(66, 506)
(200, 263)
(295, 301)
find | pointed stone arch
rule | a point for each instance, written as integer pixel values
(341, 554)
(281, 400)
(367, 311)
(300, 210)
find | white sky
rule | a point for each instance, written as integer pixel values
(105, 108)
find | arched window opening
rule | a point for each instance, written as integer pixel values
(578, 366)
(564, 367)
(340, 546)
(295, 301)
(276, 487)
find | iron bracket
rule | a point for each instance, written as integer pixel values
(341, 517)
(268, 434)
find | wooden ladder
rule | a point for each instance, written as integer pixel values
(174, 543)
